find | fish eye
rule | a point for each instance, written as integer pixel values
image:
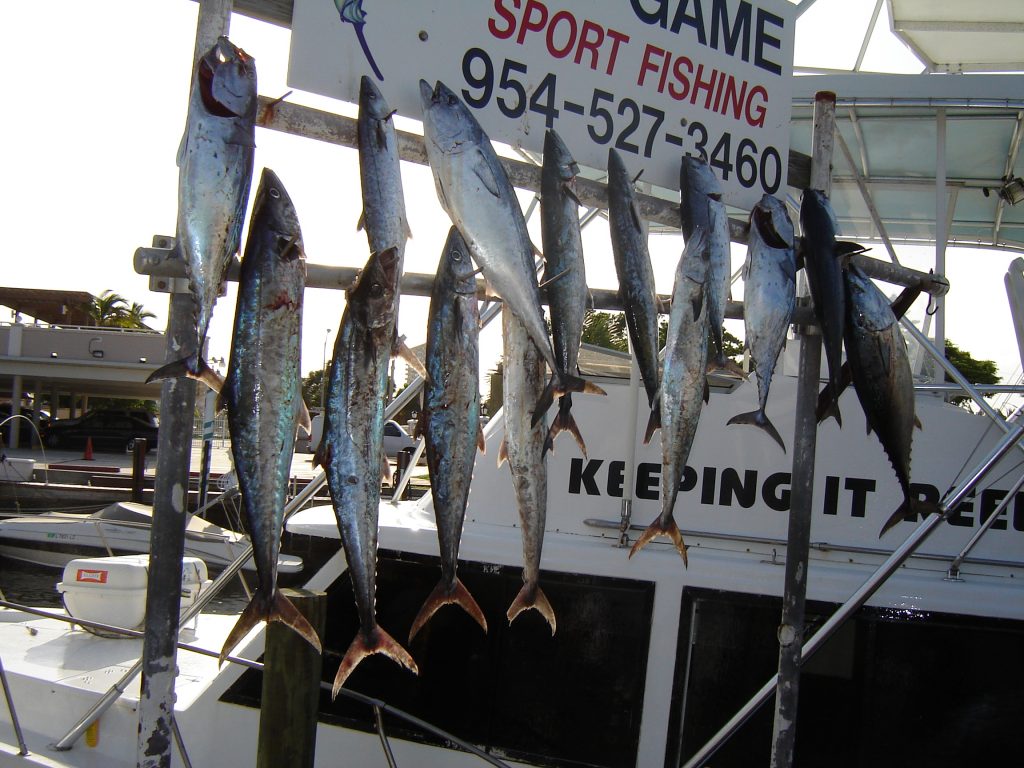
(376, 290)
(274, 193)
(456, 255)
(452, 101)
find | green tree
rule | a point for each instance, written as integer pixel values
(975, 371)
(111, 310)
(605, 329)
(495, 389)
(312, 388)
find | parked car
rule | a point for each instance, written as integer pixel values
(25, 430)
(395, 438)
(109, 429)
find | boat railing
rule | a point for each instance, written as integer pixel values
(379, 706)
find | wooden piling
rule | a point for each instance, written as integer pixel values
(291, 688)
(139, 449)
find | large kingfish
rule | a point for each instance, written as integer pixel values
(769, 297)
(824, 276)
(882, 378)
(263, 393)
(523, 447)
(215, 162)
(474, 190)
(565, 274)
(636, 280)
(450, 419)
(701, 207)
(683, 383)
(351, 451)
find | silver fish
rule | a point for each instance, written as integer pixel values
(683, 383)
(825, 279)
(523, 448)
(882, 378)
(636, 280)
(474, 190)
(352, 446)
(702, 208)
(565, 275)
(215, 161)
(769, 296)
(450, 419)
(263, 393)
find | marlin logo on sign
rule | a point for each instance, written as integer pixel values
(90, 576)
(351, 12)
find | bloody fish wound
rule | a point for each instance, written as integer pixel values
(215, 162)
(263, 394)
(351, 451)
(450, 419)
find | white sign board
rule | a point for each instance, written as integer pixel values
(652, 78)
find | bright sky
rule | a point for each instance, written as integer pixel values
(96, 95)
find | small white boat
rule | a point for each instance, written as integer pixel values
(122, 528)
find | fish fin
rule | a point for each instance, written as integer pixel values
(564, 422)
(828, 405)
(707, 391)
(363, 645)
(759, 419)
(549, 280)
(283, 610)
(655, 529)
(255, 612)
(653, 421)
(403, 351)
(179, 159)
(193, 367)
(917, 422)
(361, 223)
(532, 596)
(407, 228)
(502, 452)
(443, 595)
(634, 212)
(322, 455)
(483, 171)
(910, 509)
(305, 420)
(480, 442)
(547, 397)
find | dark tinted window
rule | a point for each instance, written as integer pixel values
(574, 699)
(391, 429)
(886, 690)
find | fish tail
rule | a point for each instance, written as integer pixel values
(442, 595)
(283, 610)
(759, 419)
(255, 612)
(532, 596)
(657, 528)
(363, 645)
(547, 397)
(910, 509)
(559, 385)
(828, 406)
(193, 367)
(564, 422)
(653, 422)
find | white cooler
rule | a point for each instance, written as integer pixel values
(112, 590)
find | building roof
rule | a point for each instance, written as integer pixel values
(53, 307)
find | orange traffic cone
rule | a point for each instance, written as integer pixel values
(88, 449)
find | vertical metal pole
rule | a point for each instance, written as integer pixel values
(791, 628)
(941, 235)
(209, 415)
(170, 494)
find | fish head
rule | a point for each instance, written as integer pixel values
(458, 265)
(274, 203)
(867, 306)
(372, 297)
(227, 80)
(371, 101)
(447, 122)
(772, 222)
(559, 157)
(695, 174)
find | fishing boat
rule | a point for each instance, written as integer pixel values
(56, 538)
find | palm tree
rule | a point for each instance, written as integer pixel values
(136, 316)
(107, 309)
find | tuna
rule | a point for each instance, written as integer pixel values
(450, 419)
(769, 297)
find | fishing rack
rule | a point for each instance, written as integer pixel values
(178, 401)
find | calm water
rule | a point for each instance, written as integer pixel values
(37, 586)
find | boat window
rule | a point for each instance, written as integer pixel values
(888, 689)
(569, 700)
